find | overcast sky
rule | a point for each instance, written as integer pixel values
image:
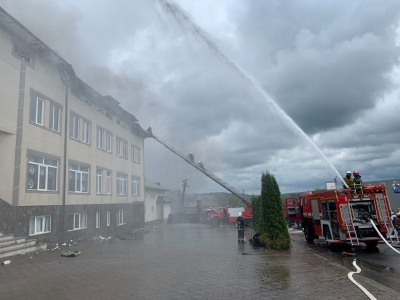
(229, 81)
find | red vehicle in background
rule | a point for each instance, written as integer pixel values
(228, 215)
(292, 211)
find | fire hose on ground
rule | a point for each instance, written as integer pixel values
(350, 274)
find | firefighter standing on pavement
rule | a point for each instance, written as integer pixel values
(348, 179)
(240, 228)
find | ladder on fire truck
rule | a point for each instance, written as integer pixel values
(348, 221)
(384, 212)
(201, 168)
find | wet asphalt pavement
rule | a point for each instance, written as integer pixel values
(195, 261)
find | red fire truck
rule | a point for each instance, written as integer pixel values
(218, 215)
(340, 217)
(292, 211)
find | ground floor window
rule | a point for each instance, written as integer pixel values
(122, 213)
(97, 219)
(108, 217)
(77, 221)
(39, 225)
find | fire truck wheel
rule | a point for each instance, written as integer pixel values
(309, 234)
(371, 244)
(215, 222)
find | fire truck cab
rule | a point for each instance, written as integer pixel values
(340, 217)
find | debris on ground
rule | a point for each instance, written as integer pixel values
(55, 248)
(6, 262)
(70, 253)
(344, 253)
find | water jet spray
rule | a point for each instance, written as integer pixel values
(182, 18)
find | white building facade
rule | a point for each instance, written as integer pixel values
(72, 159)
(157, 208)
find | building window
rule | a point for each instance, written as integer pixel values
(37, 110)
(122, 148)
(104, 139)
(54, 121)
(135, 154)
(108, 183)
(122, 184)
(77, 221)
(97, 219)
(108, 217)
(100, 133)
(78, 178)
(76, 125)
(121, 217)
(108, 141)
(42, 173)
(135, 186)
(74, 130)
(99, 181)
(39, 225)
(103, 182)
(85, 132)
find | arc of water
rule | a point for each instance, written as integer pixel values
(183, 18)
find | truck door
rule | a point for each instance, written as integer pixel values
(316, 217)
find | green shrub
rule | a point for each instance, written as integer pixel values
(275, 243)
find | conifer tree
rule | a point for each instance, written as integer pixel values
(271, 220)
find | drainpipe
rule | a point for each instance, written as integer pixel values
(64, 193)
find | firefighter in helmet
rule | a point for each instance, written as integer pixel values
(357, 183)
(240, 228)
(348, 179)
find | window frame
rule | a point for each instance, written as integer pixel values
(122, 148)
(122, 217)
(122, 184)
(108, 217)
(85, 131)
(45, 224)
(99, 181)
(41, 168)
(78, 179)
(74, 127)
(54, 125)
(104, 139)
(135, 185)
(108, 182)
(35, 100)
(81, 219)
(135, 154)
(79, 128)
(97, 219)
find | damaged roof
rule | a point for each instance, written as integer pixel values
(107, 104)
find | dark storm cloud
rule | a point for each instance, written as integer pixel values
(329, 56)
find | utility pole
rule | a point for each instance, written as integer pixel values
(184, 185)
